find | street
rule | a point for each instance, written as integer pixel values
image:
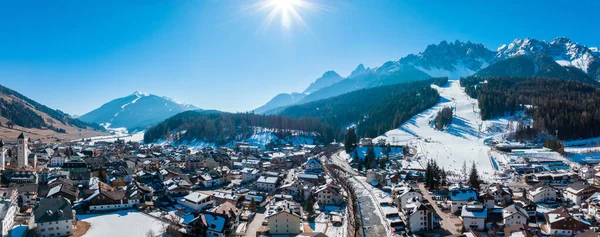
(255, 224)
(446, 222)
(374, 222)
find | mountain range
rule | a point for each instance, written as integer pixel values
(559, 58)
(139, 111)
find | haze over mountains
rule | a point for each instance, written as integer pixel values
(559, 58)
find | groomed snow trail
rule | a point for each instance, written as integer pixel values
(460, 142)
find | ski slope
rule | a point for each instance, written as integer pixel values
(461, 142)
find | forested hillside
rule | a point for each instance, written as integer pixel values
(572, 108)
(21, 111)
(375, 110)
(221, 128)
(538, 66)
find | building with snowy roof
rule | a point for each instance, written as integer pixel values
(53, 217)
(474, 215)
(197, 201)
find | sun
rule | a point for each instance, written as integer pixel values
(285, 11)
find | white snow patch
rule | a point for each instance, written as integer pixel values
(121, 223)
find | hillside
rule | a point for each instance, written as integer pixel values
(374, 110)
(19, 113)
(222, 128)
(570, 107)
(137, 111)
(280, 100)
(540, 65)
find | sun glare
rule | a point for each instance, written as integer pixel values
(285, 11)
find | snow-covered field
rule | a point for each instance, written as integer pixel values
(461, 142)
(136, 137)
(124, 223)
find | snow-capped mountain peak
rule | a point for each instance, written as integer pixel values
(141, 94)
(454, 60)
(328, 78)
(564, 51)
(138, 110)
(359, 70)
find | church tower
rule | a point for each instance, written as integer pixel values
(2, 155)
(22, 151)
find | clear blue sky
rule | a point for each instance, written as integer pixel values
(77, 55)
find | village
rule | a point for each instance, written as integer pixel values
(73, 189)
(84, 189)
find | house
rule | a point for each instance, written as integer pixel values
(561, 223)
(284, 218)
(197, 201)
(8, 211)
(593, 206)
(366, 141)
(28, 193)
(418, 216)
(541, 193)
(488, 200)
(459, 196)
(264, 183)
(209, 179)
(579, 191)
(514, 214)
(329, 194)
(58, 160)
(232, 216)
(63, 189)
(222, 197)
(528, 205)
(103, 200)
(586, 173)
(53, 217)
(502, 194)
(249, 174)
(518, 230)
(474, 216)
(299, 189)
(313, 166)
(403, 194)
(311, 178)
(178, 186)
(213, 224)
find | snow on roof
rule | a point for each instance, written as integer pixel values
(307, 176)
(196, 197)
(54, 190)
(474, 210)
(513, 209)
(269, 180)
(222, 195)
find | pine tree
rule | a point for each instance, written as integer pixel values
(309, 204)
(443, 177)
(428, 174)
(474, 177)
(464, 171)
(350, 140)
(370, 157)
